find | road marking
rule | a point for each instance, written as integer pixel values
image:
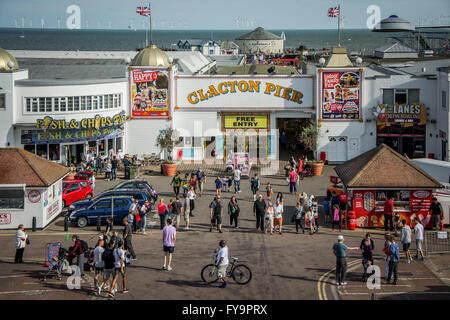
(321, 284)
(14, 276)
(50, 233)
(401, 292)
(26, 291)
(365, 286)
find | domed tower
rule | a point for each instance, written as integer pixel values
(7, 61)
(151, 56)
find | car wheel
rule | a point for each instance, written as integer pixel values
(82, 222)
(89, 196)
(64, 203)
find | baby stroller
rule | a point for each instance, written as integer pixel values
(306, 171)
(57, 265)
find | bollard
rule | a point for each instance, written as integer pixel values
(66, 223)
(33, 228)
(99, 223)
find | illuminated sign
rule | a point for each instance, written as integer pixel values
(401, 113)
(97, 122)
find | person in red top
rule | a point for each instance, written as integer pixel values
(301, 161)
(162, 208)
(293, 181)
(388, 212)
(77, 251)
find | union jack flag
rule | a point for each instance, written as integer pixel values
(143, 11)
(334, 12)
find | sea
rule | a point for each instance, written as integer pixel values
(123, 40)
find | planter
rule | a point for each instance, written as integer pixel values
(169, 169)
(317, 168)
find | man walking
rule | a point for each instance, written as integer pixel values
(216, 213)
(201, 179)
(388, 212)
(132, 214)
(436, 214)
(419, 230)
(405, 239)
(259, 209)
(127, 237)
(99, 264)
(169, 239)
(293, 181)
(222, 263)
(177, 208)
(237, 179)
(393, 260)
(120, 268)
(114, 165)
(339, 249)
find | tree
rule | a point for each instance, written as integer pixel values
(166, 140)
(310, 134)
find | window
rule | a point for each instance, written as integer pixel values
(103, 204)
(34, 105)
(53, 152)
(83, 103)
(41, 104)
(76, 103)
(62, 104)
(100, 102)
(116, 100)
(28, 104)
(2, 102)
(444, 100)
(12, 199)
(401, 96)
(70, 104)
(56, 104)
(30, 148)
(95, 102)
(84, 184)
(110, 101)
(89, 103)
(120, 203)
(73, 187)
(120, 100)
(48, 104)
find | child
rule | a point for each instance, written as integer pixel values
(186, 184)
(218, 185)
(311, 220)
(315, 209)
(169, 208)
(230, 183)
(269, 191)
(108, 170)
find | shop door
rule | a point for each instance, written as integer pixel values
(64, 155)
(337, 149)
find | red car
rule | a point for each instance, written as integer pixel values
(83, 175)
(74, 190)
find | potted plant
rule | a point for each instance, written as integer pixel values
(165, 140)
(310, 135)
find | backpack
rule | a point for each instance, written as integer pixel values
(84, 246)
(108, 258)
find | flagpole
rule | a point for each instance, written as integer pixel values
(339, 25)
(150, 24)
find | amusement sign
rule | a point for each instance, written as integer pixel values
(340, 94)
(401, 113)
(149, 92)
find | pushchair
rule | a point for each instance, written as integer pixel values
(57, 265)
(306, 171)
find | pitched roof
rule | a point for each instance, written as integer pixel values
(18, 166)
(383, 167)
(395, 48)
(259, 34)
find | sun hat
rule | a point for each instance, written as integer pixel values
(340, 238)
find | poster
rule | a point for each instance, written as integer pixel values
(241, 161)
(341, 95)
(401, 113)
(149, 92)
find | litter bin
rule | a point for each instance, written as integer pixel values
(129, 172)
(132, 173)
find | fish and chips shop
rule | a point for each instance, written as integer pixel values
(372, 177)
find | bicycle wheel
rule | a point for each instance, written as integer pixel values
(209, 273)
(242, 274)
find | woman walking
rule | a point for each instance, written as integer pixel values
(280, 197)
(278, 220)
(233, 211)
(269, 217)
(162, 211)
(176, 183)
(191, 195)
(254, 185)
(336, 218)
(21, 242)
(299, 217)
(367, 247)
(311, 220)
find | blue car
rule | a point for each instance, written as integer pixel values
(102, 208)
(140, 194)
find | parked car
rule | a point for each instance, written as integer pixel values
(102, 208)
(74, 190)
(141, 195)
(138, 184)
(338, 188)
(83, 175)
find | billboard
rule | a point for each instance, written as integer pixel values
(149, 92)
(340, 94)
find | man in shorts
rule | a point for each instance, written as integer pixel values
(186, 211)
(119, 268)
(418, 230)
(169, 239)
(222, 263)
(177, 208)
(98, 261)
(216, 213)
(405, 238)
(108, 271)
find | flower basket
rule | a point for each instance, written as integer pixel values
(169, 168)
(317, 167)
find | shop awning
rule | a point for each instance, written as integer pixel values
(382, 167)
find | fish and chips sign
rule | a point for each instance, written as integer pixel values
(244, 91)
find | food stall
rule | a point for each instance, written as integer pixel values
(372, 177)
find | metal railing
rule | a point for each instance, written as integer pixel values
(436, 242)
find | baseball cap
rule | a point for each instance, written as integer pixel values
(340, 238)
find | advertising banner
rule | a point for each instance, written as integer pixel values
(245, 122)
(341, 94)
(149, 93)
(241, 161)
(401, 113)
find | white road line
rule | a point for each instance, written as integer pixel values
(391, 293)
(26, 291)
(364, 286)
(15, 276)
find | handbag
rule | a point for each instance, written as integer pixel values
(27, 241)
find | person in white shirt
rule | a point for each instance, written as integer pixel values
(21, 242)
(237, 180)
(98, 261)
(92, 181)
(222, 262)
(191, 196)
(278, 220)
(268, 218)
(405, 238)
(311, 220)
(418, 230)
(119, 267)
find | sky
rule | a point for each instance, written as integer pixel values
(218, 14)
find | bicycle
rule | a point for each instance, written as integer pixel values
(239, 272)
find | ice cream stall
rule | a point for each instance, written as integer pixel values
(372, 177)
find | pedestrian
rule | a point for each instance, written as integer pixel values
(437, 214)
(176, 183)
(21, 242)
(237, 179)
(367, 246)
(77, 251)
(315, 210)
(336, 218)
(191, 195)
(259, 209)
(254, 185)
(278, 220)
(387, 243)
(169, 239)
(280, 197)
(109, 227)
(326, 210)
(301, 161)
(216, 212)
(91, 180)
(233, 211)
(269, 191)
(114, 166)
(186, 212)
(293, 176)
(119, 268)
(162, 211)
(299, 217)
(98, 262)
(393, 259)
(405, 239)
(418, 231)
(201, 179)
(143, 215)
(222, 263)
(108, 170)
(177, 208)
(133, 214)
(127, 237)
(108, 271)
(269, 215)
(230, 183)
(115, 238)
(303, 196)
(339, 249)
(193, 182)
(218, 183)
(186, 183)
(388, 212)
